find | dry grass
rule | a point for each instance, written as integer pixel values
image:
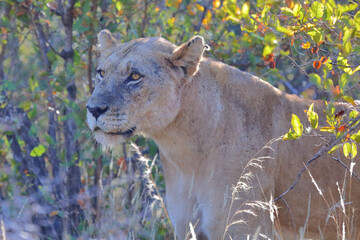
(126, 203)
(130, 204)
(244, 185)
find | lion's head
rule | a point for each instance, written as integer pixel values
(138, 85)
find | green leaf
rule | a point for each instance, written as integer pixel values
(347, 149)
(291, 135)
(348, 33)
(355, 70)
(33, 83)
(330, 114)
(342, 63)
(33, 112)
(344, 80)
(267, 50)
(328, 83)
(355, 137)
(282, 29)
(327, 129)
(315, 79)
(347, 7)
(296, 124)
(357, 20)
(311, 108)
(38, 151)
(296, 10)
(312, 116)
(353, 150)
(349, 100)
(287, 11)
(25, 105)
(317, 10)
(315, 34)
(334, 148)
(347, 47)
(314, 119)
(328, 65)
(245, 10)
(353, 114)
(118, 5)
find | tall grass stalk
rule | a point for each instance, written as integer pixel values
(244, 185)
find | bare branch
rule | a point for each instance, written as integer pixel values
(298, 66)
(52, 48)
(346, 167)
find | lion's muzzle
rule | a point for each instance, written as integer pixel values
(97, 111)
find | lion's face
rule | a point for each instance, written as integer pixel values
(137, 88)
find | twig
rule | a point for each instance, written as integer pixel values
(344, 66)
(22, 209)
(52, 48)
(317, 155)
(346, 167)
(298, 66)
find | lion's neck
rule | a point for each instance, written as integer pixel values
(186, 140)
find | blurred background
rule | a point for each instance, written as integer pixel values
(55, 181)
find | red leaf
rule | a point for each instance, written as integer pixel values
(347, 137)
(319, 43)
(314, 50)
(339, 114)
(335, 90)
(340, 36)
(269, 57)
(272, 64)
(323, 60)
(342, 128)
(316, 64)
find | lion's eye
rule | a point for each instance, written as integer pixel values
(134, 78)
(101, 73)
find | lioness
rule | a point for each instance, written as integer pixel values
(209, 120)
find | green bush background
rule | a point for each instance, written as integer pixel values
(47, 63)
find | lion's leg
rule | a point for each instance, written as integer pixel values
(239, 222)
(182, 211)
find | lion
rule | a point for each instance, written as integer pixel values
(210, 122)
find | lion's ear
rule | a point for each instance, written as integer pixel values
(189, 54)
(106, 40)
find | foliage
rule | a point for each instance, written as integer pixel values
(46, 76)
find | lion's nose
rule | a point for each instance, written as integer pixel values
(97, 111)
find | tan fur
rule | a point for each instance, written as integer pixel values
(209, 120)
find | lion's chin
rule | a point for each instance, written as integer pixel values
(107, 140)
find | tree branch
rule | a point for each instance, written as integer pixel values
(57, 181)
(324, 149)
(206, 8)
(145, 19)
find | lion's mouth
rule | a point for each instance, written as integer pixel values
(127, 133)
